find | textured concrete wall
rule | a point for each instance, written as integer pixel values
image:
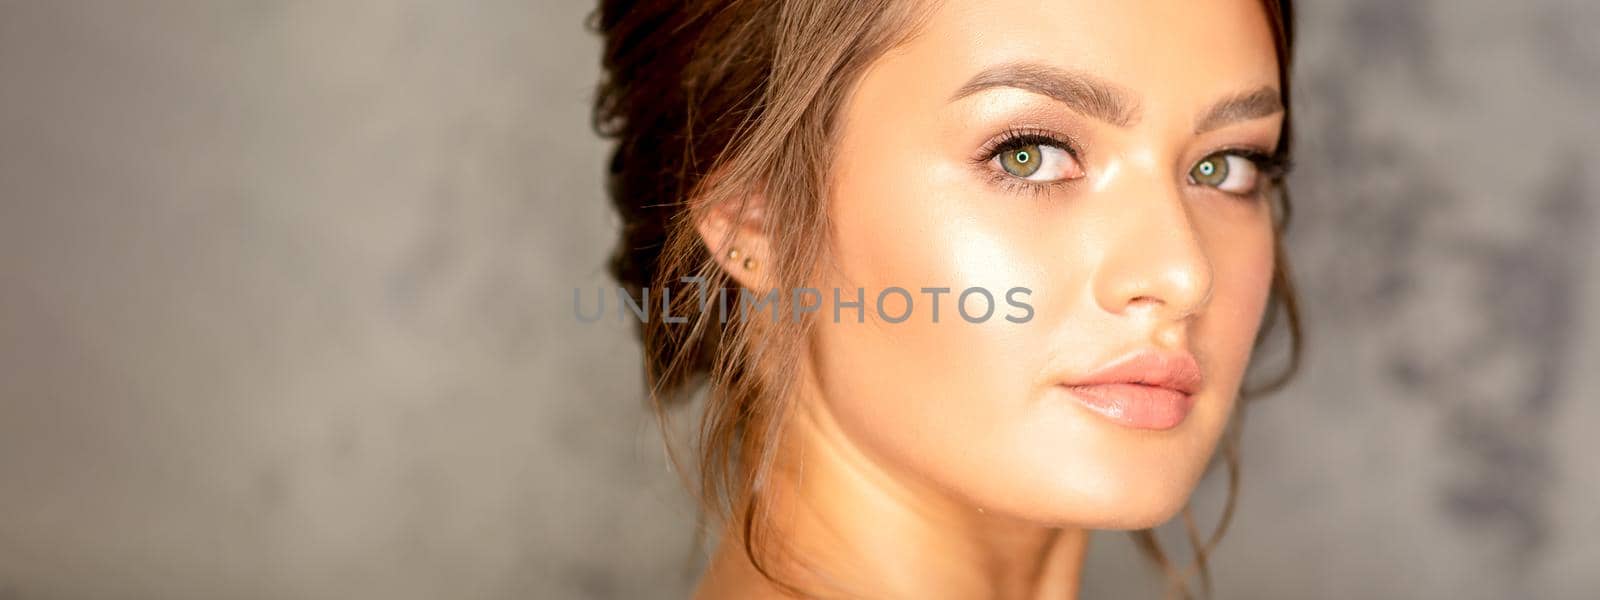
(284, 312)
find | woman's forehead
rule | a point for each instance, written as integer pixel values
(1162, 53)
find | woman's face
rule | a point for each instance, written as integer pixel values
(1107, 156)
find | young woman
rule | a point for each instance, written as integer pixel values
(955, 281)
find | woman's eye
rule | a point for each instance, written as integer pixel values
(1226, 171)
(1038, 162)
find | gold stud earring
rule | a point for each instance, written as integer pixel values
(733, 254)
(750, 263)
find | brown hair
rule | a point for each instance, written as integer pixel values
(749, 90)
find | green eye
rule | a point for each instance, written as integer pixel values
(1034, 158)
(1211, 170)
(1230, 171)
(1022, 162)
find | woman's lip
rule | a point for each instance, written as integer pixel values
(1135, 405)
(1177, 371)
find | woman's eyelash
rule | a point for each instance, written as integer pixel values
(1272, 167)
(1013, 139)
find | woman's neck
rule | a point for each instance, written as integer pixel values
(849, 528)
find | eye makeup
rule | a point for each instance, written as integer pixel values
(1213, 170)
(1004, 161)
(1014, 148)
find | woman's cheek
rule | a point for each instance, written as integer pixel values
(936, 233)
(1244, 257)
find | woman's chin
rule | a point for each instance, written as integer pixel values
(1144, 517)
(1114, 504)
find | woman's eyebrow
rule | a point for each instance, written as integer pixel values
(1083, 93)
(1262, 102)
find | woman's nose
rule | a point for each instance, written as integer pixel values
(1153, 259)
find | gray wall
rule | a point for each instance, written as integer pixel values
(284, 312)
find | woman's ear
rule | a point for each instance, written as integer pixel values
(734, 231)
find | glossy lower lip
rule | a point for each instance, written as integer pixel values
(1135, 405)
